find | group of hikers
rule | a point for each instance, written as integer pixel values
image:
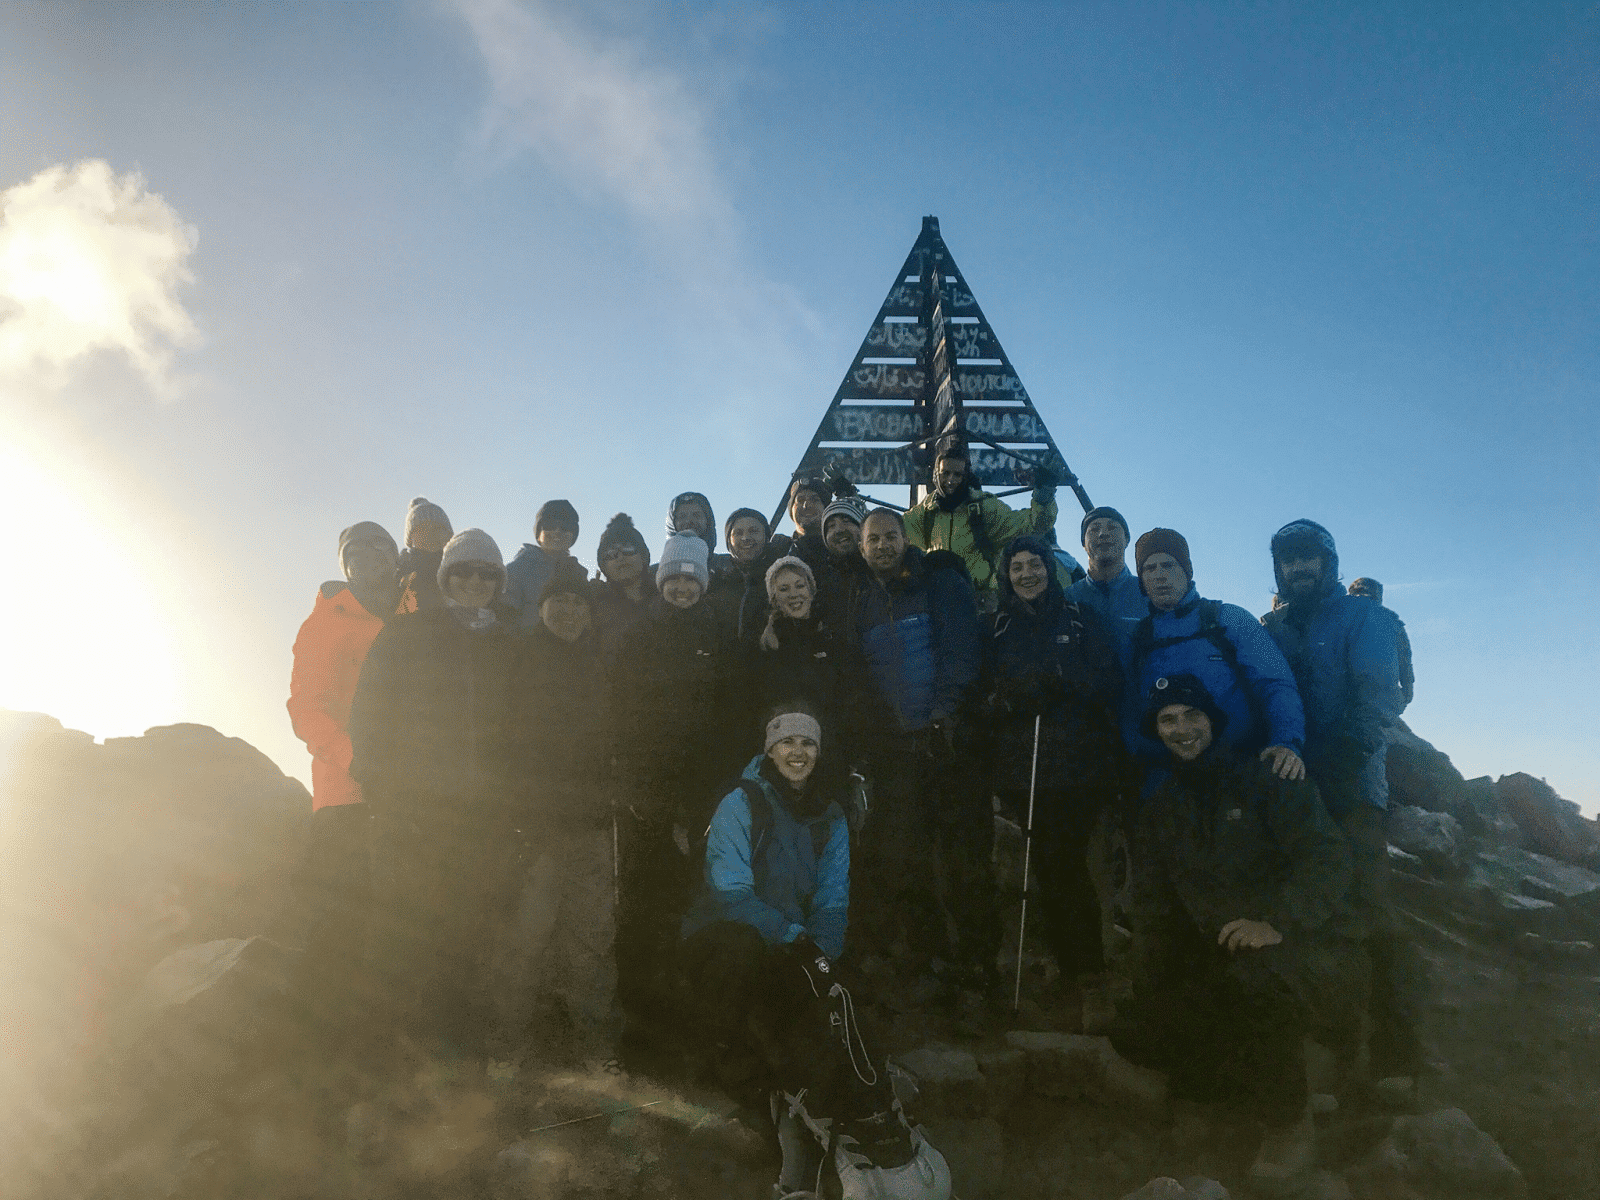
(563, 818)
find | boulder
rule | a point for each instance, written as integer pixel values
(1446, 1150)
(1069, 1066)
(1195, 1187)
(1005, 1077)
(1478, 809)
(1549, 824)
(1419, 775)
(975, 1152)
(949, 1083)
(1435, 837)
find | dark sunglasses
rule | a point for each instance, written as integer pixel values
(614, 552)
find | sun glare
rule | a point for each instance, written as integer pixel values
(86, 640)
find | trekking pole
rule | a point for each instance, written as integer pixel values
(1027, 855)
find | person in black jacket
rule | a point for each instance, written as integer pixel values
(554, 956)
(1245, 940)
(620, 595)
(739, 591)
(1052, 665)
(673, 688)
(431, 750)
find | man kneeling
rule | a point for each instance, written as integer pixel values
(1244, 941)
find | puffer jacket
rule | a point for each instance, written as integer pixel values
(818, 663)
(675, 686)
(1259, 696)
(1224, 838)
(781, 887)
(920, 636)
(431, 716)
(938, 524)
(558, 732)
(329, 652)
(1120, 600)
(1056, 660)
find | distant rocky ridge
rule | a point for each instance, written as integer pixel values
(147, 942)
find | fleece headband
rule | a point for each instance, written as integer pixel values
(793, 725)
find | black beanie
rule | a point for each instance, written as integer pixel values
(738, 513)
(1103, 511)
(1182, 689)
(569, 579)
(558, 513)
(620, 531)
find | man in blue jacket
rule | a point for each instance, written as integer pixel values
(1343, 655)
(918, 622)
(1224, 647)
(1109, 587)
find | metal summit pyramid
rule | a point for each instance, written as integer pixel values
(931, 364)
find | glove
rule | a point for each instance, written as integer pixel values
(1044, 480)
(833, 475)
(808, 955)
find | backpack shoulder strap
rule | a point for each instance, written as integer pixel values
(760, 815)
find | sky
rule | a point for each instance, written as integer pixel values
(267, 270)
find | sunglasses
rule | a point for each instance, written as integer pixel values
(616, 553)
(482, 574)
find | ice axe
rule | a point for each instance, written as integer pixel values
(1027, 855)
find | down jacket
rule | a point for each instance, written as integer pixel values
(329, 652)
(780, 887)
(920, 635)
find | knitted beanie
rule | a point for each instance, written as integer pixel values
(361, 531)
(684, 554)
(427, 527)
(853, 507)
(558, 514)
(568, 579)
(620, 532)
(1095, 514)
(1163, 541)
(471, 546)
(1182, 689)
(739, 514)
(790, 563)
(792, 724)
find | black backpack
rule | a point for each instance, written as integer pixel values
(761, 821)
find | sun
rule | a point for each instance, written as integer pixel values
(87, 641)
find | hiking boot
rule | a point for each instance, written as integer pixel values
(1286, 1153)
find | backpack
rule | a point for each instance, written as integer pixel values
(1144, 643)
(761, 821)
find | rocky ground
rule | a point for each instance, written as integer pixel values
(159, 1050)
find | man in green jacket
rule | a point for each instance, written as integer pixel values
(960, 517)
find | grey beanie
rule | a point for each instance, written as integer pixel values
(363, 529)
(684, 554)
(471, 546)
(422, 514)
(790, 563)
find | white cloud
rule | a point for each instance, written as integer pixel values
(91, 261)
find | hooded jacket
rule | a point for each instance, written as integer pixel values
(526, 575)
(780, 887)
(1344, 658)
(714, 562)
(431, 719)
(1259, 696)
(920, 636)
(1056, 660)
(1224, 838)
(946, 523)
(329, 652)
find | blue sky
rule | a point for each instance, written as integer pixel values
(1252, 263)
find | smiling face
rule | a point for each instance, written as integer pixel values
(622, 564)
(1302, 575)
(692, 517)
(1164, 581)
(681, 591)
(791, 594)
(1184, 731)
(948, 474)
(556, 540)
(795, 757)
(565, 614)
(1029, 575)
(883, 545)
(842, 536)
(746, 537)
(805, 510)
(473, 584)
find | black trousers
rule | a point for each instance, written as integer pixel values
(656, 882)
(922, 866)
(1397, 971)
(1068, 905)
(334, 890)
(1225, 1028)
